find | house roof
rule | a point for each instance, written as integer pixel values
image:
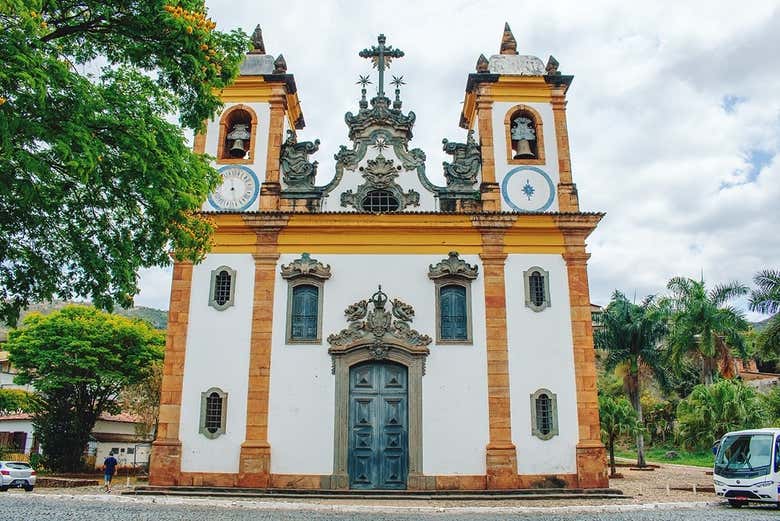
(122, 417)
(107, 437)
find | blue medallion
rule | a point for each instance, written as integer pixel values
(538, 189)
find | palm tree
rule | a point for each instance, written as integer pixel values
(704, 327)
(712, 411)
(766, 299)
(617, 418)
(631, 334)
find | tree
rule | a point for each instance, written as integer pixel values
(96, 181)
(15, 400)
(618, 418)
(704, 327)
(143, 400)
(713, 410)
(78, 359)
(766, 299)
(631, 335)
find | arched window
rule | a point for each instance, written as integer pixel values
(524, 136)
(537, 289)
(544, 414)
(237, 129)
(223, 284)
(379, 201)
(305, 313)
(213, 412)
(453, 313)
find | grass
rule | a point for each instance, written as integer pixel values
(658, 455)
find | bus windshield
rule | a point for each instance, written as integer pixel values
(744, 456)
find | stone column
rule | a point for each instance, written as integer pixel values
(165, 461)
(489, 187)
(591, 455)
(501, 454)
(271, 187)
(567, 190)
(254, 469)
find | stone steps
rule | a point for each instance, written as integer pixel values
(443, 495)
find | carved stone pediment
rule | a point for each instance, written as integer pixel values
(306, 266)
(373, 327)
(453, 266)
(380, 174)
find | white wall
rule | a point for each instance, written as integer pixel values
(114, 427)
(541, 356)
(302, 393)
(217, 355)
(141, 456)
(258, 155)
(518, 179)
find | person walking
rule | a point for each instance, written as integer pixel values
(109, 468)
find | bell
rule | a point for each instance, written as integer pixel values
(523, 150)
(237, 150)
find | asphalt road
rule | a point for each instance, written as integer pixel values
(21, 507)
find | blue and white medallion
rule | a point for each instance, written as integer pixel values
(528, 189)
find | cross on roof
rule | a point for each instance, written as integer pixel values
(381, 55)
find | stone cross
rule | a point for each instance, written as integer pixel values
(381, 56)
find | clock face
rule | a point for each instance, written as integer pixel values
(238, 190)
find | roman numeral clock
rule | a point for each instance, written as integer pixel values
(238, 191)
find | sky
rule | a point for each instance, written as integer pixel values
(673, 116)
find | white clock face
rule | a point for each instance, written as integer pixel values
(238, 190)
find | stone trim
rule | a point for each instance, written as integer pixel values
(203, 405)
(529, 303)
(553, 414)
(212, 287)
(223, 132)
(488, 188)
(568, 201)
(538, 128)
(415, 364)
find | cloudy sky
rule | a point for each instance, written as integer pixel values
(674, 113)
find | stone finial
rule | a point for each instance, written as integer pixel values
(508, 42)
(482, 64)
(453, 266)
(552, 66)
(258, 47)
(280, 66)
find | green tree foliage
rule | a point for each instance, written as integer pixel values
(142, 399)
(766, 299)
(713, 410)
(96, 181)
(631, 335)
(618, 418)
(704, 327)
(79, 359)
(771, 401)
(15, 400)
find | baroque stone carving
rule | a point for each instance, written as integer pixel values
(297, 172)
(453, 266)
(306, 266)
(379, 327)
(379, 115)
(462, 173)
(380, 174)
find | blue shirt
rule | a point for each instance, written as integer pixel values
(110, 464)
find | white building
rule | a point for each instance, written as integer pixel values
(380, 331)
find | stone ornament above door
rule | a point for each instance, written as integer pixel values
(379, 330)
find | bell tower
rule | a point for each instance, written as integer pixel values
(247, 136)
(518, 106)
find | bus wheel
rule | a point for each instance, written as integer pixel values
(736, 503)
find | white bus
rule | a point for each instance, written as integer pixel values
(747, 467)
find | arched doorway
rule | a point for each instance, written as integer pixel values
(378, 426)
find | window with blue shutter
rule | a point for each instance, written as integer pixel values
(453, 313)
(305, 299)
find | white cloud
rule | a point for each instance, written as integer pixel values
(652, 144)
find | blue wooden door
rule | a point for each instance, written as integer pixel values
(378, 426)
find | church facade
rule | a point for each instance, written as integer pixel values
(381, 331)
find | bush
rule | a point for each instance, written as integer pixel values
(712, 411)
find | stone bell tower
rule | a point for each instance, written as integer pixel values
(246, 138)
(518, 106)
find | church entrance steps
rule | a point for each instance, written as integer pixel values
(462, 495)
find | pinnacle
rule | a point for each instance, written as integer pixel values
(508, 42)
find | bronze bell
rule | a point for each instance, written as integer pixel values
(238, 135)
(523, 150)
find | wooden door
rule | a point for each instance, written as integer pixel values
(378, 426)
